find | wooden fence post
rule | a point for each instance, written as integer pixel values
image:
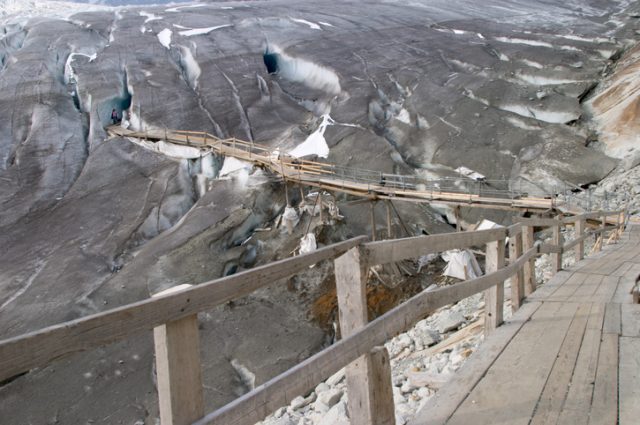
(529, 266)
(177, 350)
(579, 233)
(368, 376)
(494, 296)
(517, 280)
(556, 257)
(373, 220)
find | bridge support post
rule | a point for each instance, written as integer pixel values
(579, 233)
(556, 257)
(373, 221)
(529, 269)
(177, 351)
(368, 377)
(389, 222)
(494, 296)
(517, 281)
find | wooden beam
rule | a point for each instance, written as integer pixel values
(389, 222)
(494, 296)
(529, 268)
(364, 373)
(383, 252)
(556, 257)
(539, 222)
(302, 378)
(38, 348)
(580, 226)
(517, 280)
(373, 220)
(179, 376)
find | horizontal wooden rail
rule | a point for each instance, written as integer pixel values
(393, 250)
(540, 222)
(302, 378)
(24, 352)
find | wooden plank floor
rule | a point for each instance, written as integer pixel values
(571, 355)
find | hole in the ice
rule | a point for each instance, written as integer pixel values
(270, 61)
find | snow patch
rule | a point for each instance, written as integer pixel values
(305, 22)
(517, 122)
(532, 64)
(555, 117)
(326, 24)
(524, 41)
(69, 74)
(150, 17)
(179, 8)
(164, 37)
(538, 80)
(201, 31)
(233, 165)
(403, 116)
(191, 67)
(315, 144)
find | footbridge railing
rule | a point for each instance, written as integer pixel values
(172, 316)
(455, 190)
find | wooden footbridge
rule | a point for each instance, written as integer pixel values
(569, 355)
(365, 184)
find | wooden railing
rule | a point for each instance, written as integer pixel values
(172, 315)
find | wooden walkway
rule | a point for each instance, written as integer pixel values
(570, 355)
(366, 184)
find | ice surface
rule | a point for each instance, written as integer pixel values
(310, 24)
(21, 9)
(69, 75)
(150, 16)
(201, 31)
(164, 37)
(558, 117)
(315, 144)
(232, 165)
(180, 8)
(191, 67)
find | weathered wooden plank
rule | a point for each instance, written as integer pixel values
(517, 281)
(604, 405)
(630, 314)
(629, 385)
(556, 258)
(494, 296)
(382, 388)
(568, 289)
(498, 398)
(555, 283)
(604, 292)
(40, 347)
(579, 252)
(612, 319)
(578, 401)
(179, 376)
(361, 376)
(555, 390)
(382, 252)
(442, 405)
(303, 377)
(539, 222)
(529, 270)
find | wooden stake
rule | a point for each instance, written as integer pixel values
(494, 296)
(370, 401)
(373, 221)
(556, 257)
(517, 280)
(389, 223)
(529, 267)
(579, 233)
(177, 349)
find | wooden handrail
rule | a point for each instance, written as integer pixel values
(38, 348)
(24, 352)
(302, 378)
(389, 251)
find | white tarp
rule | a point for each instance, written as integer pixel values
(308, 243)
(169, 149)
(487, 224)
(461, 264)
(467, 172)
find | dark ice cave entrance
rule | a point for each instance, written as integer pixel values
(270, 61)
